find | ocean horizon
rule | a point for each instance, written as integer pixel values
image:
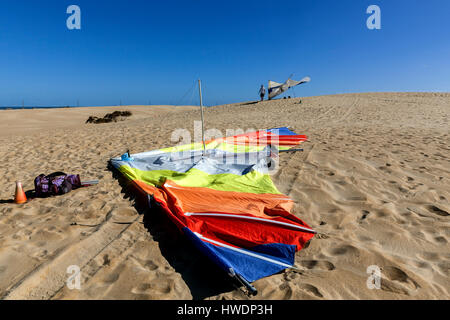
(56, 107)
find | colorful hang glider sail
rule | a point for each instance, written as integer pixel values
(276, 88)
(224, 200)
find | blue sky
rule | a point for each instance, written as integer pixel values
(153, 51)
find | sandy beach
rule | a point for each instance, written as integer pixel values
(373, 180)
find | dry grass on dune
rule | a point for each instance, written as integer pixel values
(374, 180)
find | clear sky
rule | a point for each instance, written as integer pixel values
(153, 51)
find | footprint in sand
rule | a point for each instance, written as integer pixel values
(345, 249)
(365, 213)
(142, 288)
(423, 264)
(111, 278)
(156, 288)
(289, 276)
(150, 265)
(106, 260)
(430, 256)
(123, 214)
(46, 234)
(322, 236)
(318, 264)
(23, 234)
(310, 289)
(397, 281)
(441, 240)
(444, 267)
(145, 264)
(2, 269)
(438, 211)
(286, 290)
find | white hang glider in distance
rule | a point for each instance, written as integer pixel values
(276, 88)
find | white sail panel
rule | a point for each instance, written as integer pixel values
(276, 88)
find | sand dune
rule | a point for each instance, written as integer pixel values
(29, 121)
(374, 180)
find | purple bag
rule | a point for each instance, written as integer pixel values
(55, 184)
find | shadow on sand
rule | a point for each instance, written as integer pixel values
(203, 278)
(29, 194)
(249, 103)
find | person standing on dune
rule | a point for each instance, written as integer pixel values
(262, 92)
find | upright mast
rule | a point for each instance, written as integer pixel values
(201, 108)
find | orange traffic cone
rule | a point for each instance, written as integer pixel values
(20, 194)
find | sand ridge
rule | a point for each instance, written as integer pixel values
(373, 180)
